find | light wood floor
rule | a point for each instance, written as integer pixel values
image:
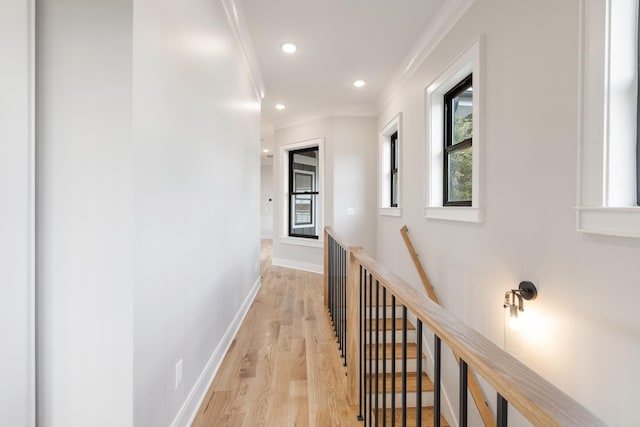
(283, 368)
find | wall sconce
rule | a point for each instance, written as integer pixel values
(513, 300)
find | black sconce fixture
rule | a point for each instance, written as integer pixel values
(513, 299)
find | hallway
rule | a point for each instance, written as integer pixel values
(283, 368)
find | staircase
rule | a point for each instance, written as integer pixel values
(387, 392)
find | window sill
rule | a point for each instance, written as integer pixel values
(391, 211)
(454, 213)
(624, 222)
(301, 241)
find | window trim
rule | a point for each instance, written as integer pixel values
(600, 208)
(449, 146)
(468, 62)
(385, 180)
(284, 215)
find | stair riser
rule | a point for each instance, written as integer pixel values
(411, 336)
(427, 399)
(411, 365)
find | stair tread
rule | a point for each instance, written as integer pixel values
(412, 383)
(386, 351)
(427, 417)
(389, 325)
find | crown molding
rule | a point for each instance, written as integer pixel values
(446, 17)
(238, 23)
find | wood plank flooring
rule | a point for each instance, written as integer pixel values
(283, 368)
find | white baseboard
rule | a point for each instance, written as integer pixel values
(189, 409)
(297, 265)
(266, 237)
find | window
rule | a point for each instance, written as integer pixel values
(303, 192)
(458, 141)
(390, 182)
(394, 169)
(607, 197)
(454, 139)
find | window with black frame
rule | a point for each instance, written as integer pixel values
(458, 144)
(393, 142)
(303, 193)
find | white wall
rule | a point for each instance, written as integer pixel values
(584, 329)
(149, 225)
(197, 136)
(17, 161)
(355, 161)
(349, 179)
(85, 213)
(266, 201)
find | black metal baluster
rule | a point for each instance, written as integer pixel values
(419, 374)
(365, 352)
(384, 363)
(360, 294)
(404, 365)
(377, 349)
(337, 295)
(370, 346)
(503, 407)
(338, 299)
(393, 361)
(329, 278)
(339, 335)
(436, 382)
(344, 309)
(332, 282)
(341, 304)
(463, 392)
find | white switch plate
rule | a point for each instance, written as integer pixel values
(351, 211)
(178, 373)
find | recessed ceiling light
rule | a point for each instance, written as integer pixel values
(279, 107)
(359, 83)
(288, 47)
(265, 151)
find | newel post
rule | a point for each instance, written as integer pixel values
(353, 324)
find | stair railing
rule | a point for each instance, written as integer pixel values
(472, 384)
(336, 260)
(360, 291)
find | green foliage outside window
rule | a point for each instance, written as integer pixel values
(460, 161)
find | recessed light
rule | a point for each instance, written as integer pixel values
(359, 83)
(288, 47)
(279, 107)
(265, 151)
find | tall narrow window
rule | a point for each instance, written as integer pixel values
(303, 192)
(393, 141)
(390, 187)
(458, 144)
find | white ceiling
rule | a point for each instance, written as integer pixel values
(339, 41)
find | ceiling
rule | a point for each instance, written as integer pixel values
(339, 41)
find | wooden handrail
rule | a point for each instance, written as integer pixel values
(414, 257)
(338, 238)
(537, 399)
(474, 387)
